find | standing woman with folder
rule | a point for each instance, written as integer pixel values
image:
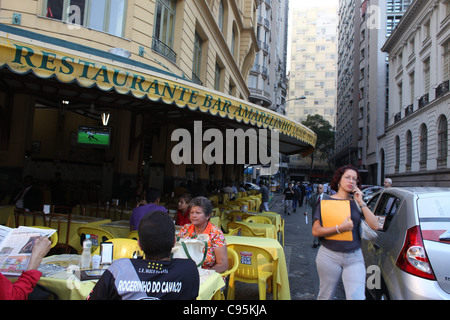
(337, 222)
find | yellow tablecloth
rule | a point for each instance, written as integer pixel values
(67, 286)
(5, 213)
(275, 248)
(210, 283)
(119, 228)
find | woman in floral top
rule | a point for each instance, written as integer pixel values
(217, 256)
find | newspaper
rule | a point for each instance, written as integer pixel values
(15, 247)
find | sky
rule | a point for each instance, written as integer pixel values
(302, 3)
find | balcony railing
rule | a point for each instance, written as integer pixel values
(423, 101)
(409, 110)
(163, 49)
(442, 89)
(397, 117)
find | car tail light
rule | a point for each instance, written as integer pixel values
(413, 258)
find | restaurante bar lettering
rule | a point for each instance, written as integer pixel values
(105, 76)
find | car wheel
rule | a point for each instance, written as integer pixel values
(383, 293)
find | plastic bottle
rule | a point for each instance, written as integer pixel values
(86, 255)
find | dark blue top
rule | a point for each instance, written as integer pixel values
(343, 246)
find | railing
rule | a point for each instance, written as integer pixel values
(409, 110)
(397, 117)
(423, 101)
(442, 89)
(163, 49)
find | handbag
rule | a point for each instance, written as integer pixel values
(366, 232)
(193, 249)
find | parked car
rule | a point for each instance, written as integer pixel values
(250, 186)
(369, 192)
(411, 253)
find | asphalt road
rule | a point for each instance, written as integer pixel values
(300, 258)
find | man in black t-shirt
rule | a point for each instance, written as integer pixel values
(288, 196)
(157, 277)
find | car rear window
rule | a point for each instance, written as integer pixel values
(435, 207)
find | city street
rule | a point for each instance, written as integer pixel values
(300, 258)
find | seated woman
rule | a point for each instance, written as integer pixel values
(183, 210)
(217, 256)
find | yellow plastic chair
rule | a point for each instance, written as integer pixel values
(53, 237)
(97, 236)
(234, 216)
(282, 230)
(256, 265)
(258, 219)
(233, 264)
(133, 235)
(245, 230)
(233, 232)
(123, 248)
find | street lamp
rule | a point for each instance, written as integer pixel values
(296, 98)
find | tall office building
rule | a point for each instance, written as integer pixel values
(312, 75)
(363, 79)
(313, 63)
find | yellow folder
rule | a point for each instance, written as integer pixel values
(334, 212)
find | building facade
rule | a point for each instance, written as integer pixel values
(346, 146)
(267, 80)
(378, 20)
(366, 80)
(143, 69)
(313, 75)
(415, 146)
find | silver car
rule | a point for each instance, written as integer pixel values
(369, 192)
(412, 252)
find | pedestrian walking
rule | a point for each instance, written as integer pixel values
(340, 254)
(387, 183)
(288, 197)
(264, 197)
(296, 196)
(302, 194)
(316, 197)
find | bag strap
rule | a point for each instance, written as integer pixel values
(185, 248)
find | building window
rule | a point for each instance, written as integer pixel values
(197, 60)
(164, 28)
(103, 15)
(217, 77)
(426, 74)
(446, 61)
(221, 16)
(426, 30)
(408, 150)
(447, 7)
(442, 141)
(253, 82)
(411, 87)
(423, 146)
(233, 41)
(397, 154)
